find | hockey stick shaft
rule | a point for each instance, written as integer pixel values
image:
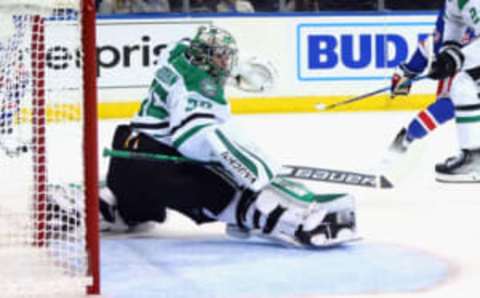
(289, 171)
(367, 95)
(151, 156)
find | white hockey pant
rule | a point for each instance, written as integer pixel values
(465, 94)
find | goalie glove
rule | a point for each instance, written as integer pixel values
(448, 62)
(401, 84)
(254, 75)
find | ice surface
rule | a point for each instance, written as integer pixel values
(420, 238)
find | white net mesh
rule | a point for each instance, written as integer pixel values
(42, 202)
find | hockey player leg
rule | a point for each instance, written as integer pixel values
(466, 166)
(426, 121)
(289, 213)
(396, 163)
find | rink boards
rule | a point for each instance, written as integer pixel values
(320, 58)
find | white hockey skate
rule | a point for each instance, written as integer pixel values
(400, 143)
(397, 161)
(394, 156)
(463, 168)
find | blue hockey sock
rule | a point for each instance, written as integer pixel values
(430, 118)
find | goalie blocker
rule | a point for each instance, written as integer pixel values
(139, 191)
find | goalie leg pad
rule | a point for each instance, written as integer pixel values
(279, 214)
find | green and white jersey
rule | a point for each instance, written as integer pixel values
(181, 101)
(460, 14)
(186, 109)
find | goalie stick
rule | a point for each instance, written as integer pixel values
(288, 171)
(335, 176)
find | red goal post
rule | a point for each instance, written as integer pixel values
(49, 240)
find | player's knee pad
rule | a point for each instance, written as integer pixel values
(288, 212)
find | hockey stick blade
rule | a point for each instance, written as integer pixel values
(335, 176)
(322, 107)
(288, 171)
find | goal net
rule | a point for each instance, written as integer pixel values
(48, 150)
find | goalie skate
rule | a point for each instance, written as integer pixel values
(400, 143)
(464, 167)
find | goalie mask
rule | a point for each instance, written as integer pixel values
(214, 50)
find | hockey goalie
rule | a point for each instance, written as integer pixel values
(186, 114)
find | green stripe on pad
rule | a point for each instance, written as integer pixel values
(260, 160)
(302, 193)
(307, 197)
(327, 197)
(236, 152)
(467, 119)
